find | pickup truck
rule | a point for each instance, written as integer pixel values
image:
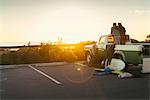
(129, 53)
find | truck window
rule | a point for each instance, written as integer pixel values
(102, 40)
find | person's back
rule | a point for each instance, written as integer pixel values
(114, 30)
(121, 29)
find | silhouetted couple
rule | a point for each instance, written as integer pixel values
(117, 32)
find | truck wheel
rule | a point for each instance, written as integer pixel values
(89, 59)
(92, 61)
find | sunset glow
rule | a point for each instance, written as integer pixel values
(73, 21)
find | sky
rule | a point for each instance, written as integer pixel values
(72, 20)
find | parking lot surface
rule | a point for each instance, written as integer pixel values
(76, 81)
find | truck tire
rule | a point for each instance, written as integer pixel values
(89, 59)
(92, 61)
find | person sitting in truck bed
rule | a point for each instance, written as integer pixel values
(121, 29)
(115, 32)
(122, 32)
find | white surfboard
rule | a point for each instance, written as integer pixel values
(117, 64)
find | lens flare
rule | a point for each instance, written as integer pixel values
(78, 69)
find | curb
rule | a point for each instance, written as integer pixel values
(36, 64)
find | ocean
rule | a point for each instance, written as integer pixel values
(18, 43)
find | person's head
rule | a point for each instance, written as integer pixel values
(119, 24)
(114, 24)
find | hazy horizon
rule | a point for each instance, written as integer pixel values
(72, 20)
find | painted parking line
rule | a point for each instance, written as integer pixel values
(44, 74)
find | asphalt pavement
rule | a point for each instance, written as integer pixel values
(76, 82)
